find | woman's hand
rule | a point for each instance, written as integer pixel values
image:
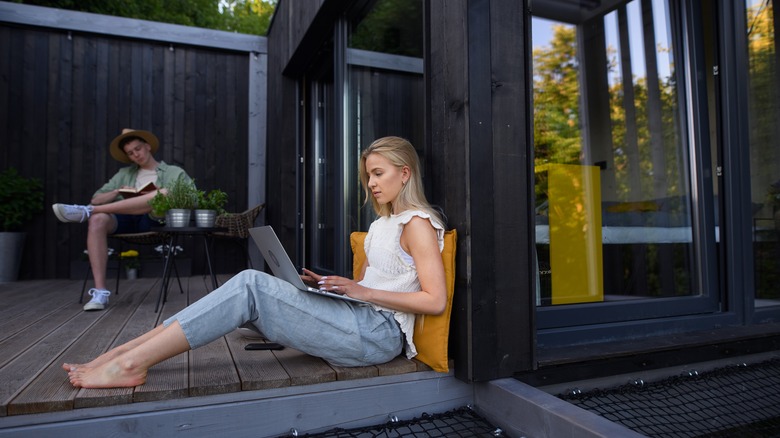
(336, 284)
(310, 278)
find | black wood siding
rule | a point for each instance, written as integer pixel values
(479, 132)
(65, 95)
(478, 155)
(290, 25)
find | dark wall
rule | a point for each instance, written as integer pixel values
(478, 158)
(65, 95)
(292, 24)
(479, 132)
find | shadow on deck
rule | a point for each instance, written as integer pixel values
(219, 388)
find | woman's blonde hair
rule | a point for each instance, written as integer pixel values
(400, 153)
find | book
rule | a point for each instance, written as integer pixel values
(127, 192)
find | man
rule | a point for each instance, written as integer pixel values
(109, 212)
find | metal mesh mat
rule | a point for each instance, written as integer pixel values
(735, 402)
(461, 422)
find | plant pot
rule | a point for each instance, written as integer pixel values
(11, 246)
(177, 217)
(205, 218)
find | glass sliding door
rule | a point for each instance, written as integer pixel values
(319, 170)
(625, 223)
(385, 91)
(365, 83)
(764, 135)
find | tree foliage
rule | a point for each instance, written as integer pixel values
(243, 16)
(763, 97)
(392, 26)
(557, 136)
(558, 121)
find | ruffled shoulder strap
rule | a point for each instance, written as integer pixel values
(406, 216)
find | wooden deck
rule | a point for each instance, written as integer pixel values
(42, 326)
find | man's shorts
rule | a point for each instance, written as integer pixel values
(133, 223)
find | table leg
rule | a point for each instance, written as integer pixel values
(208, 260)
(169, 252)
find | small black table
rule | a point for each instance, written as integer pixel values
(169, 253)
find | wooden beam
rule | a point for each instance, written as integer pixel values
(366, 58)
(479, 126)
(129, 28)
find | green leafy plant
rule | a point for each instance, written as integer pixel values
(181, 194)
(213, 200)
(20, 199)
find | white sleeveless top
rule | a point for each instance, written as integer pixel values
(390, 268)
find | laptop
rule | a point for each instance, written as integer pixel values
(281, 265)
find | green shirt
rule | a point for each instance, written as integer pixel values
(166, 174)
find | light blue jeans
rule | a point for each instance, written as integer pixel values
(340, 332)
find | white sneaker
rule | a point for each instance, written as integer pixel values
(99, 299)
(72, 213)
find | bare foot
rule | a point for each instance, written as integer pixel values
(100, 360)
(72, 366)
(115, 373)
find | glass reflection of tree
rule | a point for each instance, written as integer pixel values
(763, 98)
(557, 130)
(393, 27)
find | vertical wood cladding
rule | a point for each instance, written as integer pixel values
(480, 137)
(66, 95)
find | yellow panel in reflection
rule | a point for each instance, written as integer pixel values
(575, 234)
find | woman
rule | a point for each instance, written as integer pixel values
(403, 276)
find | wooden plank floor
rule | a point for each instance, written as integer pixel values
(42, 326)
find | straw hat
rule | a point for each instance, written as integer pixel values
(120, 155)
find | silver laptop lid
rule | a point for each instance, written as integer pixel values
(274, 254)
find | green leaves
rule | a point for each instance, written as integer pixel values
(182, 193)
(213, 200)
(20, 199)
(244, 16)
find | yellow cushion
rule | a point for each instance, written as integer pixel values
(431, 332)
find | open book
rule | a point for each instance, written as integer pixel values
(130, 192)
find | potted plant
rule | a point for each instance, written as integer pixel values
(131, 263)
(20, 200)
(176, 206)
(210, 205)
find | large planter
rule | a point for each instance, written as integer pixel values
(205, 218)
(178, 217)
(11, 246)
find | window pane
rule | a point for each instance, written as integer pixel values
(612, 181)
(383, 103)
(320, 177)
(764, 153)
(386, 94)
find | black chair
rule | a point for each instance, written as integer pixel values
(238, 225)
